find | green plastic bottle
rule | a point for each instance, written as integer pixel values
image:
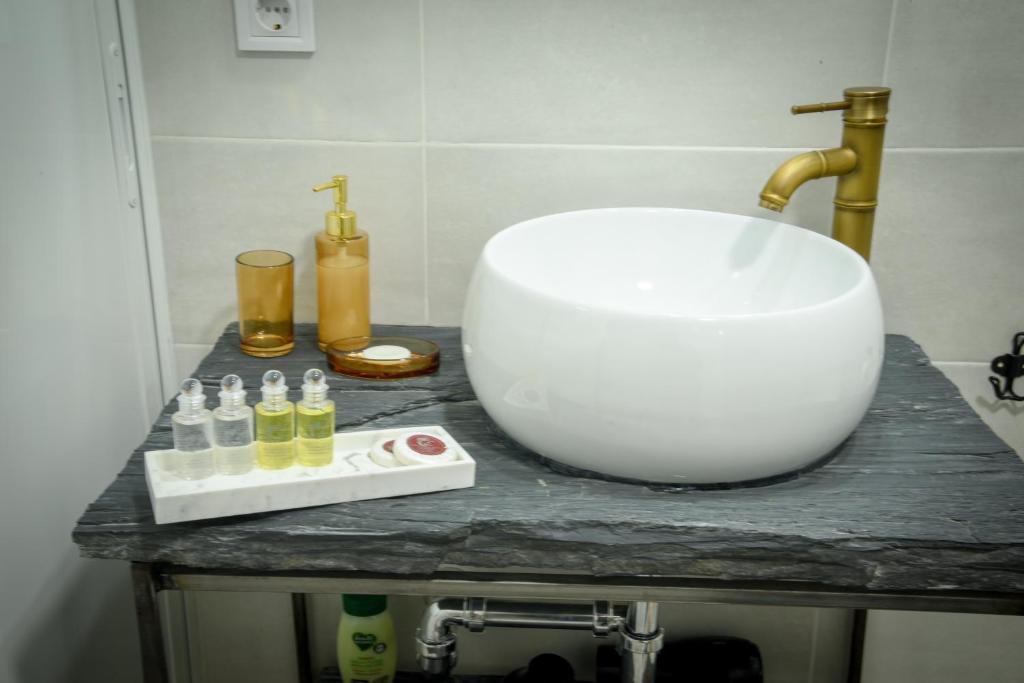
(366, 640)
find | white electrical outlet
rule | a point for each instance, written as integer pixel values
(275, 25)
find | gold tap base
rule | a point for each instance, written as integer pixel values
(854, 227)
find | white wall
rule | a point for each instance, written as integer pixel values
(80, 370)
(456, 118)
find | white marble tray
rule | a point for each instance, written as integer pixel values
(352, 476)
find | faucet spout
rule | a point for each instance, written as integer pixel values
(857, 163)
(797, 170)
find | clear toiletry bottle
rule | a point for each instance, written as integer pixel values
(232, 429)
(192, 431)
(275, 424)
(342, 271)
(315, 419)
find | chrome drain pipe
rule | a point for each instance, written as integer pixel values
(642, 639)
(436, 645)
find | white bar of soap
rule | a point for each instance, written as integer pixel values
(386, 352)
(383, 452)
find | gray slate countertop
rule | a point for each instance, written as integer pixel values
(922, 497)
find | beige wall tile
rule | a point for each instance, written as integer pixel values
(1006, 418)
(956, 72)
(188, 357)
(362, 83)
(647, 72)
(943, 648)
(241, 637)
(221, 197)
(948, 241)
(830, 647)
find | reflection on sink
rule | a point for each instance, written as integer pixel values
(671, 345)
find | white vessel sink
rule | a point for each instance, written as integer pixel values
(673, 346)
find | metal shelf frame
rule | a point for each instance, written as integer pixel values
(150, 578)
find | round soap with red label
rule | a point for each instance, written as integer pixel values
(418, 448)
(383, 452)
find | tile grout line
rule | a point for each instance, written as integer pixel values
(956, 150)
(811, 660)
(423, 168)
(319, 141)
(962, 362)
(889, 42)
(570, 146)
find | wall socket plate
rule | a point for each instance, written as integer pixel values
(274, 25)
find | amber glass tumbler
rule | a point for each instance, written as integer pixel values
(265, 300)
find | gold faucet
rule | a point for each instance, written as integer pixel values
(857, 163)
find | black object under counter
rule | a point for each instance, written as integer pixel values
(923, 498)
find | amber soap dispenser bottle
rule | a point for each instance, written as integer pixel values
(342, 271)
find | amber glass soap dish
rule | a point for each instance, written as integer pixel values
(383, 357)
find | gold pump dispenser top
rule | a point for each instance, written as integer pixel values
(341, 222)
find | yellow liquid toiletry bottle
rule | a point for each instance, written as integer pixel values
(342, 271)
(314, 443)
(275, 424)
(366, 640)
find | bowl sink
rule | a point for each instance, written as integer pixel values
(675, 346)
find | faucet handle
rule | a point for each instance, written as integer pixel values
(820, 107)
